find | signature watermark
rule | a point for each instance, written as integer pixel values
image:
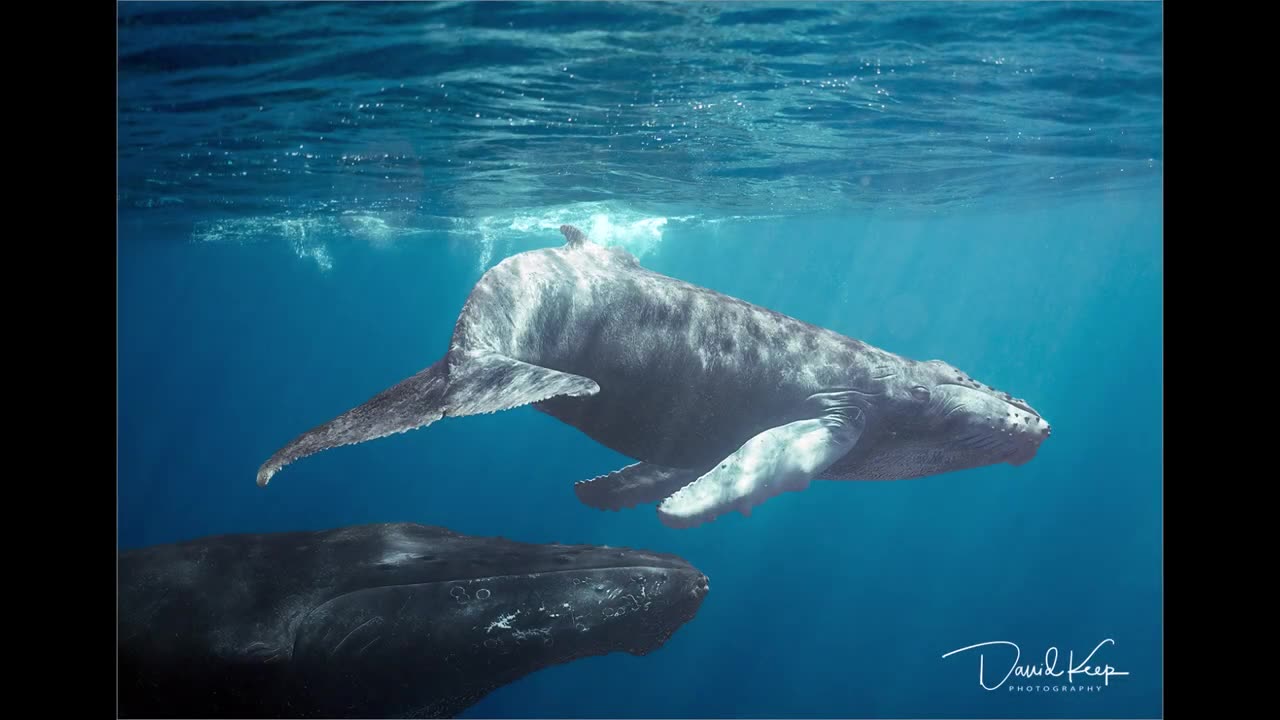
(1006, 662)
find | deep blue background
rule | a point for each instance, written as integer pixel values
(837, 601)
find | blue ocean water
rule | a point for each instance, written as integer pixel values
(307, 192)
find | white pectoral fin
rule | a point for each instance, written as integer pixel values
(778, 460)
(634, 484)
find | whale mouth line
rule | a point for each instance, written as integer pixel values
(1021, 456)
(1001, 448)
(985, 441)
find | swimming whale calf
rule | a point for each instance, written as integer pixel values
(722, 403)
(387, 620)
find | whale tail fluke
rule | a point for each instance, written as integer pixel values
(489, 382)
(412, 403)
(463, 383)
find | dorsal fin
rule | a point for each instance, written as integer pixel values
(574, 236)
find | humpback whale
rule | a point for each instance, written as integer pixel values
(722, 404)
(386, 620)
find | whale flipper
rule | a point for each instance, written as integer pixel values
(777, 460)
(461, 384)
(633, 485)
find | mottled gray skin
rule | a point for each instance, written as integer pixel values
(681, 378)
(392, 620)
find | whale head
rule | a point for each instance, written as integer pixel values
(932, 418)
(381, 620)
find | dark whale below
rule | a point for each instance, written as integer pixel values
(388, 620)
(724, 404)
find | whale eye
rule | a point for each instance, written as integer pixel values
(920, 392)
